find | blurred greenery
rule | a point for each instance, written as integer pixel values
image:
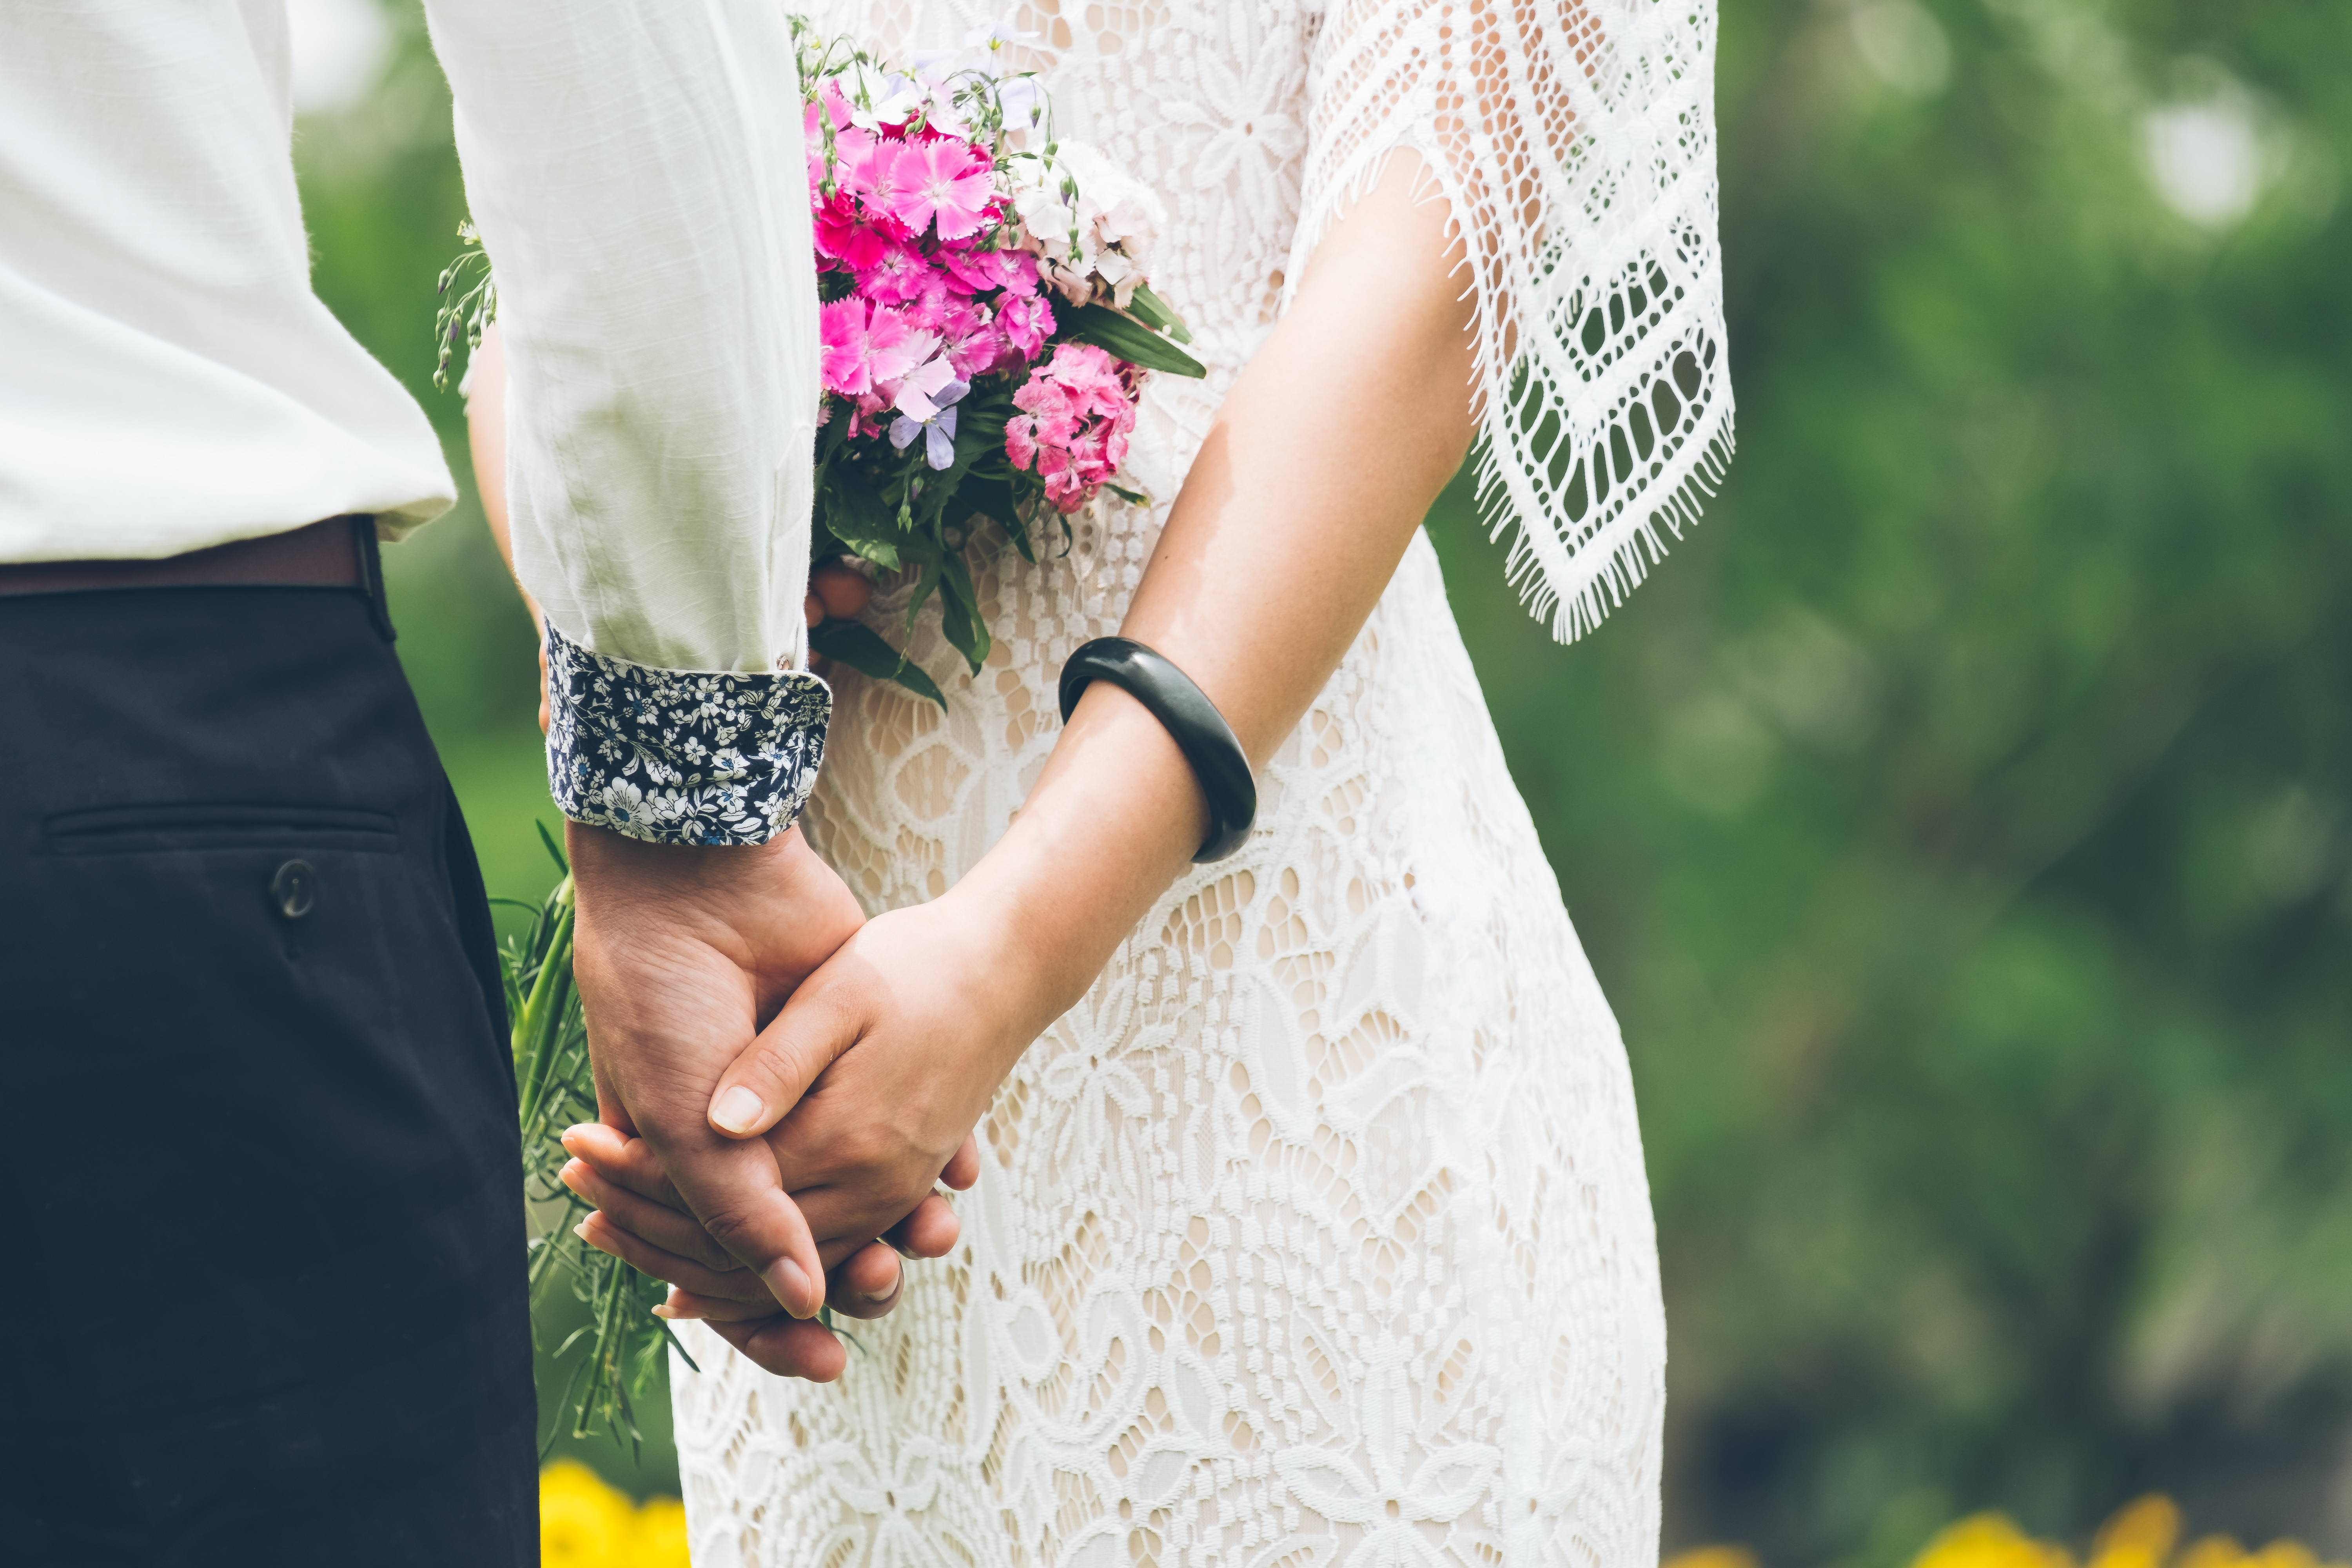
(1959, 820)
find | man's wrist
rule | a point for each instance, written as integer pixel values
(687, 757)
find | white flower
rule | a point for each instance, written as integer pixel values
(1099, 241)
(879, 97)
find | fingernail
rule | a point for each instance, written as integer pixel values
(664, 1311)
(877, 1297)
(792, 1287)
(580, 1230)
(737, 1110)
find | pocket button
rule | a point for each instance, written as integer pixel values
(295, 889)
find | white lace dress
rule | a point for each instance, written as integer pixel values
(1318, 1234)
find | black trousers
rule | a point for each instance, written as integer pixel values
(261, 1295)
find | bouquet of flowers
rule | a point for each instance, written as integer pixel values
(988, 323)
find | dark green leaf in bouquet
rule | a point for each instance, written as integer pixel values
(960, 617)
(980, 418)
(990, 498)
(1130, 339)
(861, 647)
(922, 552)
(854, 513)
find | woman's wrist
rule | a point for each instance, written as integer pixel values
(1113, 820)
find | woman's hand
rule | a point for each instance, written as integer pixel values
(866, 1087)
(881, 1063)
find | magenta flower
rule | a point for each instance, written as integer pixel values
(968, 271)
(1026, 323)
(944, 182)
(897, 273)
(1021, 274)
(842, 236)
(868, 349)
(870, 173)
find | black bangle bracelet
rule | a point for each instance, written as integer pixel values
(1190, 720)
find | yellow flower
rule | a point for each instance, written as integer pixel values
(2284, 1554)
(2212, 1551)
(2139, 1535)
(1990, 1540)
(1712, 1557)
(660, 1538)
(582, 1522)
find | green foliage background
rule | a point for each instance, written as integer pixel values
(1957, 820)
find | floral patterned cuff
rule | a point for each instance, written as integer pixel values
(680, 757)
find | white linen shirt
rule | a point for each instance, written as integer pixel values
(169, 381)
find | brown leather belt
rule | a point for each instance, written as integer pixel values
(338, 552)
(328, 554)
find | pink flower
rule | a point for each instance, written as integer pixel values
(1020, 273)
(972, 271)
(869, 172)
(897, 273)
(929, 307)
(843, 235)
(943, 181)
(836, 102)
(1026, 323)
(1076, 413)
(980, 349)
(868, 349)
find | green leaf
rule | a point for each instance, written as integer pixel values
(548, 839)
(1153, 311)
(959, 611)
(853, 513)
(861, 647)
(1130, 339)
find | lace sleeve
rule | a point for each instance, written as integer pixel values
(1576, 140)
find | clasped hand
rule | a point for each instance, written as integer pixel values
(753, 1165)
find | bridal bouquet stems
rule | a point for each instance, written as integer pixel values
(556, 1091)
(987, 319)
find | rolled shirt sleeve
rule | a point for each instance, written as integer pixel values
(638, 173)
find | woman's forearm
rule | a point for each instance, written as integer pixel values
(485, 433)
(1337, 437)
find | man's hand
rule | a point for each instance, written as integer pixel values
(904, 1033)
(681, 954)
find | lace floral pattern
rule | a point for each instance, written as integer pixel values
(1318, 1234)
(680, 757)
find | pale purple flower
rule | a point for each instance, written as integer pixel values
(926, 405)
